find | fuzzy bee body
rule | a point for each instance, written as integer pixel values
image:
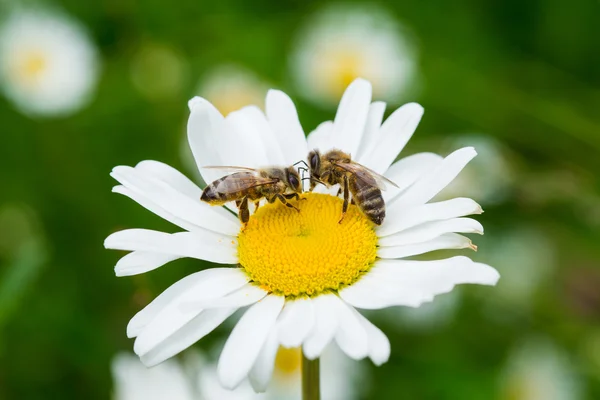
(368, 198)
(252, 185)
(337, 167)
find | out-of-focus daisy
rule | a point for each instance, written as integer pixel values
(341, 379)
(342, 43)
(537, 370)
(526, 258)
(489, 178)
(196, 378)
(48, 64)
(231, 87)
(134, 381)
(303, 273)
(158, 71)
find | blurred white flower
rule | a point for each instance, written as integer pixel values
(342, 43)
(134, 381)
(158, 71)
(537, 370)
(48, 65)
(526, 258)
(231, 87)
(489, 178)
(341, 378)
(197, 378)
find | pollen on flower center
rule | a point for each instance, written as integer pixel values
(309, 252)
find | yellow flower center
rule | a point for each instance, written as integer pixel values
(288, 361)
(345, 67)
(306, 253)
(30, 66)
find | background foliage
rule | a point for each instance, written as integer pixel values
(525, 74)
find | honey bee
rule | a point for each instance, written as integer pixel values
(365, 185)
(249, 184)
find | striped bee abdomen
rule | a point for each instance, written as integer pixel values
(369, 199)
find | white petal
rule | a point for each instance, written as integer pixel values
(351, 117)
(262, 370)
(203, 245)
(139, 262)
(165, 196)
(407, 171)
(379, 344)
(206, 135)
(255, 142)
(148, 313)
(438, 273)
(215, 283)
(190, 333)
(372, 292)
(436, 179)
(393, 136)
(151, 206)
(351, 335)
(430, 230)
(295, 322)
(445, 241)
(244, 296)
(245, 342)
(320, 138)
(411, 283)
(371, 134)
(284, 122)
(325, 325)
(400, 218)
(170, 176)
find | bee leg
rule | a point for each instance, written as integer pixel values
(284, 201)
(296, 196)
(346, 195)
(244, 213)
(339, 192)
(256, 205)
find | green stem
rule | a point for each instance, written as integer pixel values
(311, 386)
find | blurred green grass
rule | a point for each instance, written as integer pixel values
(525, 73)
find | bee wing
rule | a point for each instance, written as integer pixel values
(230, 169)
(241, 181)
(366, 174)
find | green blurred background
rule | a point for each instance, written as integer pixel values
(519, 80)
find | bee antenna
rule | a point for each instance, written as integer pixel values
(301, 162)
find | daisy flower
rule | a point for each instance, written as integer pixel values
(196, 377)
(341, 43)
(537, 370)
(134, 381)
(303, 274)
(48, 64)
(231, 87)
(340, 377)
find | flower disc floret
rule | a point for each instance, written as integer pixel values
(306, 253)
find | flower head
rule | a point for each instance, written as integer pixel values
(303, 274)
(341, 43)
(48, 64)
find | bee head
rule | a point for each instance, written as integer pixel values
(293, 179)
(314, 161)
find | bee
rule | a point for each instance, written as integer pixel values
(365, 185)
(252, 185)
